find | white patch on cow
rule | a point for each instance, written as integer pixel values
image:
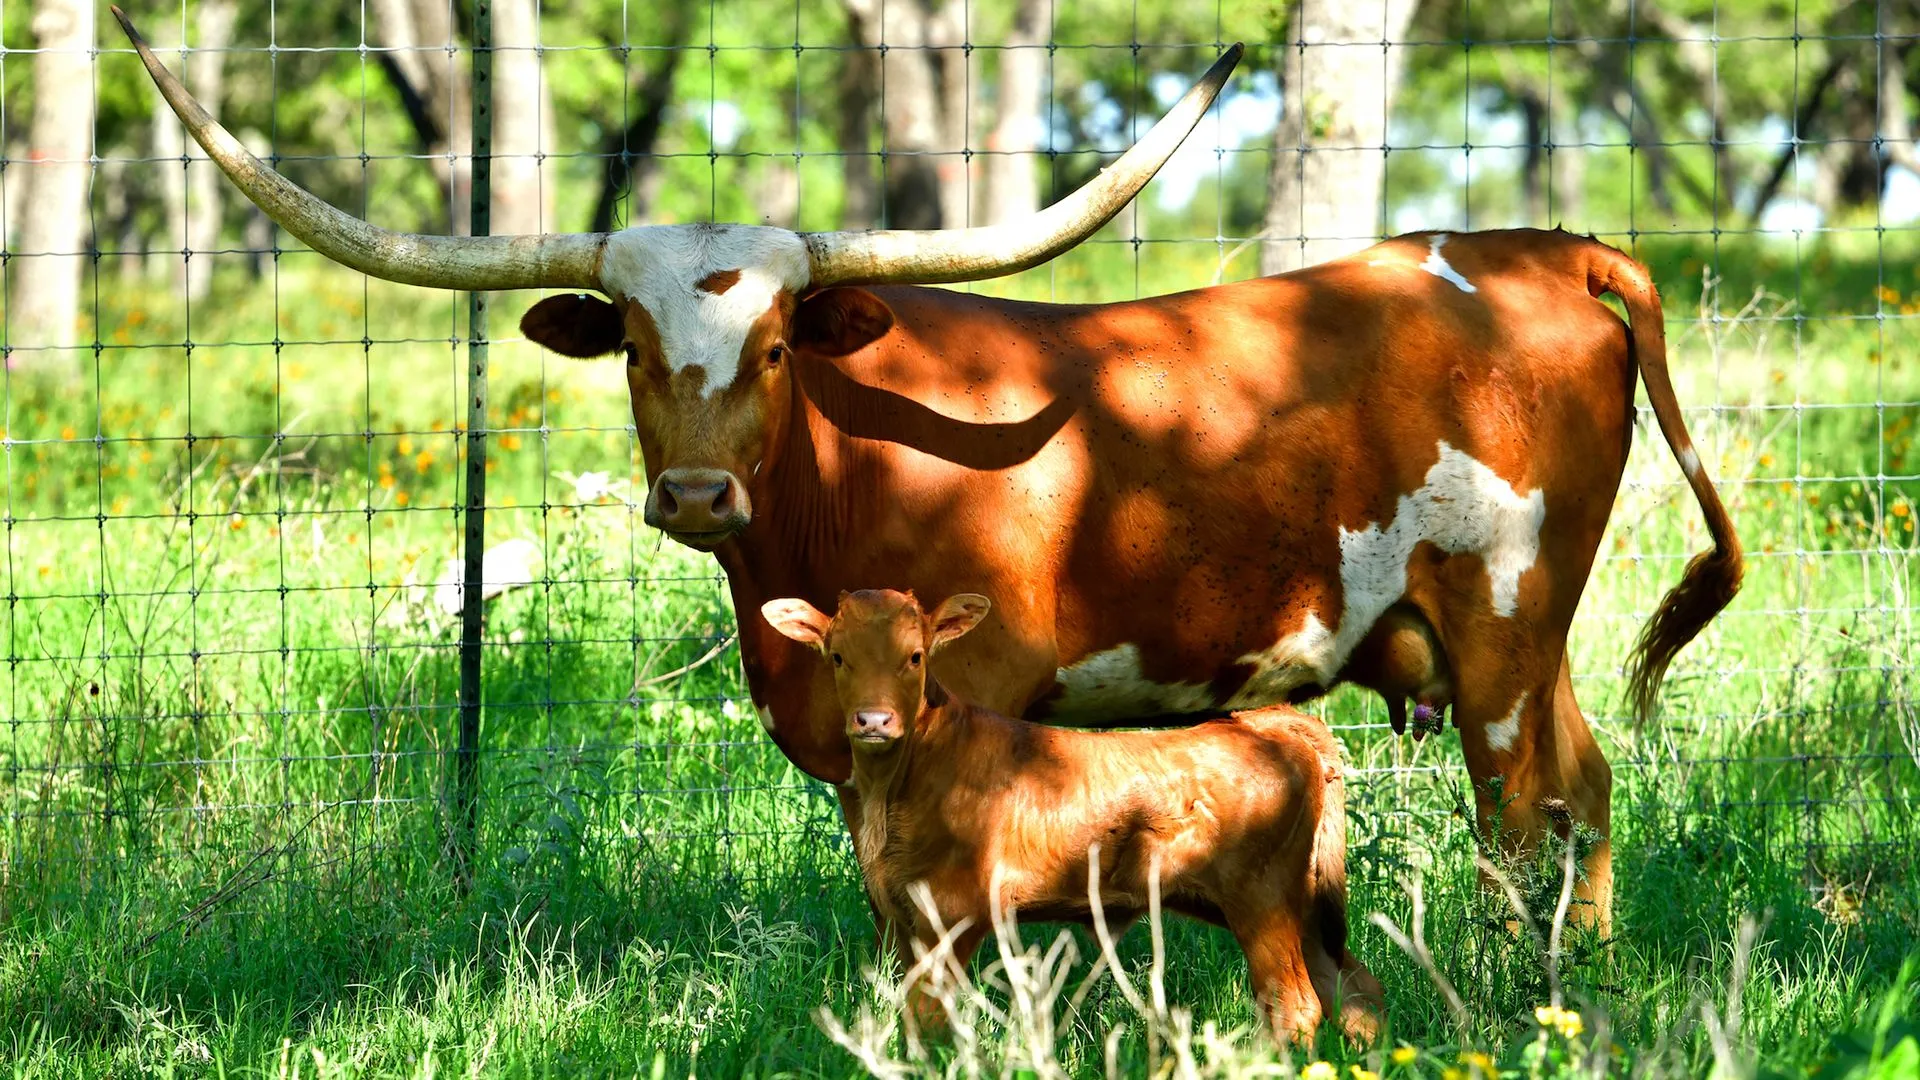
(1690, 461)
(1111, 684)
(1463, 507)
(659, 267)
(766, 717)
(1438, 266)
(1302, 657)
(1501, 736)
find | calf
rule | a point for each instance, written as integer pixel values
(1243, 817)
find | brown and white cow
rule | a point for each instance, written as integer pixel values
(1393, 469)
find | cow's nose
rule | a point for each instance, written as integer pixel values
(686, 500)
(698, 505)
(872, 723)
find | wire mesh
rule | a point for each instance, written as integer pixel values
(233, 495)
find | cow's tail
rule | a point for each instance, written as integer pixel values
(1712, 577)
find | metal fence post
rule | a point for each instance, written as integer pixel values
(467, 756)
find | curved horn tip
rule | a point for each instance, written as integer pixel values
(126, 24)
(1229, 60)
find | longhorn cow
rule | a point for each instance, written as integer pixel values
(1392, 469)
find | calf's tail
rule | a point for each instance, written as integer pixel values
(1329, 900)
(1712, 577)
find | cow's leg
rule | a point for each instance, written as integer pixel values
(1535, 766)
(1588, 791)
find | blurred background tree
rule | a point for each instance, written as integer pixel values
(1649, 116)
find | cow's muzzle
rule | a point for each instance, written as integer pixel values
(701, 508)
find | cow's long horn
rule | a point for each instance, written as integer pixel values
(478, 263)
(969, 254)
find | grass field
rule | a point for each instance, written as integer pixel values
(230, 706)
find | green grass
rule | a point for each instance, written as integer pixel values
(228, 725)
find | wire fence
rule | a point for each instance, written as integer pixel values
(237, 483)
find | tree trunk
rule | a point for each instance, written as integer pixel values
(1566, 198)
(1533, 167)
(1896, 125)
(859, 89)
(924, 91)
(256, 235)
(1803, 130)
(522, 122)
(1013, 186)
(628, 155)
(424, 68)
(1324, 185)
(46, 285)
(191, 186)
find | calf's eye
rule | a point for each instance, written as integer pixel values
(836, 660)
(916, 658)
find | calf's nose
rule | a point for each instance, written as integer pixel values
(872, 722)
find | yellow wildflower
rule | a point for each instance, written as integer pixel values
(401, 498)
(1404, 1055)
(1320, 1070)
(1362, 1074)
(510, 442)
(1451, 1073)
(236, 522)
(1478, 1061)
(1901, 509)
(1565, 1021)
(423, 461)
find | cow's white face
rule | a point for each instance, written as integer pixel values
(709, 317)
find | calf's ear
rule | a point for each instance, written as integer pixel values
(797, 619)
(574, 325)
(958, 615)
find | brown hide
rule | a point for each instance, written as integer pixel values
(1174, 474)
(1239, 822)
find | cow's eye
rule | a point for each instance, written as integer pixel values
(633, 354)
(916, 657)
(775, 355)
(837, 661)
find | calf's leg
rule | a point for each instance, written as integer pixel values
(1282, 983)
(1346, 990)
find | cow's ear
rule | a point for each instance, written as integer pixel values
(835, 322)
(574, 325)
(958, 615)
(798, 620)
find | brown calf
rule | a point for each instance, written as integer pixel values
(1243, 817)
